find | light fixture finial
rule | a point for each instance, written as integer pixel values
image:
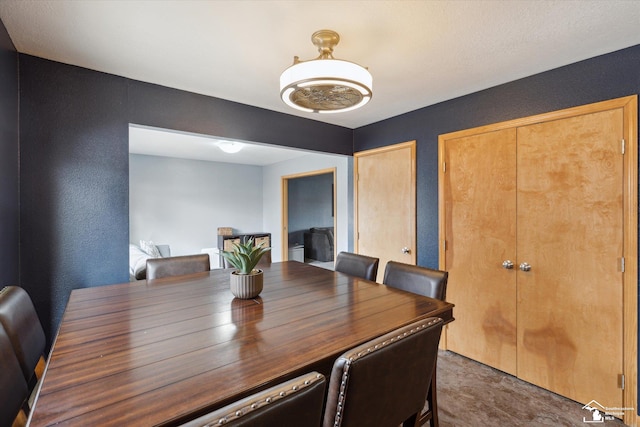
(325, 41)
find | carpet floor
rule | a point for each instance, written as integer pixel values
(474, 395)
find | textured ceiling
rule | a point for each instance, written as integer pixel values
(419, 52)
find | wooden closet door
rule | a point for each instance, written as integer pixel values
(480, 211)
(570, 231)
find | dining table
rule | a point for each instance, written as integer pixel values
(165, 351)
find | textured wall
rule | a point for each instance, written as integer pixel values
(163, 107)
(74, 153)
(605, 77)
(75, 175)
(74, 183)
(9, 148)
(597, 79)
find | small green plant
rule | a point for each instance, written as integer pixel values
(245, 256)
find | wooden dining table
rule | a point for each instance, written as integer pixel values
(162, 352)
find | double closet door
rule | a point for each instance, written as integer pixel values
(533, 235)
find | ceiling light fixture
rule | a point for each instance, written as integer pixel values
(325, 84)
(229, 146)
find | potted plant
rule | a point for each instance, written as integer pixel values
(246, 281)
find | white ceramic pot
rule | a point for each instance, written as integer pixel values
(246, 286)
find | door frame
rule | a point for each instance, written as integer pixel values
(284, 185)
(629, 104)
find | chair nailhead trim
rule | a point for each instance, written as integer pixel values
(279, 394)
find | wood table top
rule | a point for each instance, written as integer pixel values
(164, 351)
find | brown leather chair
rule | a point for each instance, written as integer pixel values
(430, 283)
(294, 403)
(357, 265)
(419, 280)
(20, 321)
(384, 382)
(13, 387)
(158, 268)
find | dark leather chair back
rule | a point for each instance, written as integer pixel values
(419, 280)
(20, 321)
(430, 283)
(357, 265)
(384, 382)
(13, 387)
(294, 403)
(158, 268)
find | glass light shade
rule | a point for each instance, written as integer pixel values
(229, 146)
(326, 86)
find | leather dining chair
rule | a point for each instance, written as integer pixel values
(13, 387)
(384, 382)
(157, 268)
(357, 265)
(430, 283)
(294, 403)
(20, 321)
(419, 280)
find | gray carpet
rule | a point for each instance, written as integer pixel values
(474, 395)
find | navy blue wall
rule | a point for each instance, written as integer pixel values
(9, 149)
(163, 107)
(605, 77)
(74, 168)
(74, 145)
(310, 205)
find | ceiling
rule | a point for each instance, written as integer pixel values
(183, 145)
(419, 52)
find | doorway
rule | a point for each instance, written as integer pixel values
(309, 217)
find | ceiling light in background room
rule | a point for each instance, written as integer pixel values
(230, 147)
(325, 84)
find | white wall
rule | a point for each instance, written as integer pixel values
(272, 196)
(183, 202)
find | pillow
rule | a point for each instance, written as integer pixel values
(140, 269)
(137, 262)
(150, 248)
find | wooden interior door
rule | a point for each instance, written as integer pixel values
(570, 231)
(385, 204)
(480, 211)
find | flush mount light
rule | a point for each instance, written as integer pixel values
(325, 84)
(230, 147)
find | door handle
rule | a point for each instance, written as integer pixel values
(525, 266)
(406, 250)
(508, 264)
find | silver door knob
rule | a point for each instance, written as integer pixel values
(508, 264)
(525, 266)
(406, 250)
